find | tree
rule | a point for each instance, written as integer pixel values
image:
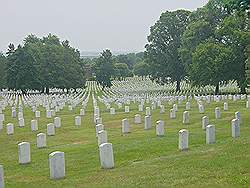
(210, 64)
(215, 22)
(11, 49)
(21, 72)
(3, 62)
(121, 70)
(240, 5)
(73, 76)
(162, 50)
(130, 59)
(44, 63)
(234, 33)
(248, 66)
(141, 69)
(104, 69)
(200, 29)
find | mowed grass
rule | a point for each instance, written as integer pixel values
(141, 158)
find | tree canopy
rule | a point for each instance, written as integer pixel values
(163, 44)
(44, 63)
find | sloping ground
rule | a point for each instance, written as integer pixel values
(141, 158)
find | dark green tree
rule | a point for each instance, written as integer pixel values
(44, 63)
(104, 69)
(21, 71)
(210, 64)
(141, 69)
(162, 50)
(3, 62)
(234, 33)
(248, 66)
(200, 29)
(121, 70)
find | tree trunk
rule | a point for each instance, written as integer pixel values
(178, 85)
(243, 90)
(243, 85)
(217, 89)
(47, 90)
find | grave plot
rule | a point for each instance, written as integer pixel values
(136, 132)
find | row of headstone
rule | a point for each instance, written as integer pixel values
(34, 126)
(56, 159)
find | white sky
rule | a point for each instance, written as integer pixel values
(89, 25)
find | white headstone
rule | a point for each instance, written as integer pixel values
(48, 113)
(235, 128)
(13, 113)
(1, 117)
(41, 140)
(148, 111)
(148, 123)
(126, 109)
(205, 122)
(102, 137)
(106, 155)
(98, 120)
(70, 108)
(125, 126)
(98, 128)
(10, 128)
(201, 108)
(160, 131)
(37, 114)
(57, 165)
(51, 129)
(97, 111)
(20, 115)
(57, 122)
(112, 111)
(175, 107)
(183, 139)
(21, 122)
(225, 106)
(78, 120)
(1, 177)
(137, 119)
(237, 116)
(210, 134)
(24, 152)
(82, 112)
(185, 119)
(34, 125)
(53, 113)
(172, 114)
(217, 113)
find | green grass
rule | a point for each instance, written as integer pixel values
(141, 158)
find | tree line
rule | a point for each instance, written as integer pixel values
(44, 63)
(208, 46)
(41, 64)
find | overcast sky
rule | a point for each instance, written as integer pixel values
(89, 25)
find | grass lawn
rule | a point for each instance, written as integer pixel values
(141, 158)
